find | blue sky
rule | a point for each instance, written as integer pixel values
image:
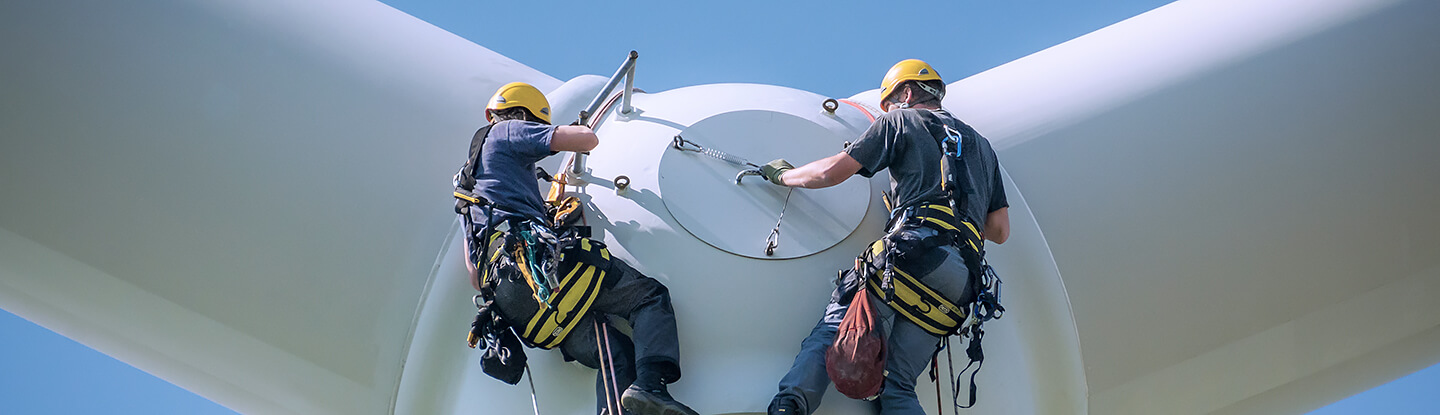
(834, 48)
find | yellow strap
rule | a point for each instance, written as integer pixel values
(912, 291)
(574, 296)
(550, 330)
(923, 290)
(942, 223)
(467, 198)
(496, 256)
(942, 208)
(530, 278)
(947, 223)
(972, 229)
(910, 299)
(589, 297)
(586, 245)
(904, 310)
(530, 329)
(485, 270)
(557, 191)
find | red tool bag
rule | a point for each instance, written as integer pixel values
(856, 361)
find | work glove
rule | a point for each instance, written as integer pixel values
(771, 171)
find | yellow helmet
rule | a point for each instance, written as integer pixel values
(519, 94)
(906, 70)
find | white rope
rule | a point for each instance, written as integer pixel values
(535, 403)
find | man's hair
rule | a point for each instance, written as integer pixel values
(514, 113)
(918, 95)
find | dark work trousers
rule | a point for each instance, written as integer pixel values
(655, 345)
(618, 370)
(910, 347)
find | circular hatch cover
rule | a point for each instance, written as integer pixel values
(700, 191)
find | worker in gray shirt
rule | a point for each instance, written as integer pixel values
(907, 141)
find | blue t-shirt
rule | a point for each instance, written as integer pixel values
(506, 174)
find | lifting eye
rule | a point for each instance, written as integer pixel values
(830, 105)
(621, 183)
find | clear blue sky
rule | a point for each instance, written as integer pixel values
(835, 48)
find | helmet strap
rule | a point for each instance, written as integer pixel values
(939, 95)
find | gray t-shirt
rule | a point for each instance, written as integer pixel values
(904, 141)
(506, 174)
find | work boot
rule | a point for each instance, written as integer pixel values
(785, 409)
(653, 402)
(782, 406)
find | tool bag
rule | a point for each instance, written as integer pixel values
(583, 270)
(503, 358)
(856, 361)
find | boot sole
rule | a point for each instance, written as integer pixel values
(649, 406)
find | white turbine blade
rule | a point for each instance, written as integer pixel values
(245, 198)
(1239, 196)
(1220, 207)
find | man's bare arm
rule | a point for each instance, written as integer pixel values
(577, 138)
(822, 173)
(997, 225)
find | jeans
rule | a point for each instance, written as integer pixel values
(910, 347)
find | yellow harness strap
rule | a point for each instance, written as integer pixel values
(912, 298)
(585, 268)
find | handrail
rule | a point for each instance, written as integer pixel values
(627, 70)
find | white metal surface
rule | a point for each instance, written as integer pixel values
(703, 195)
(741, 317)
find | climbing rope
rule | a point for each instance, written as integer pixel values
(535, 403)
(607, 365)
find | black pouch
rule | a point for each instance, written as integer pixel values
(917, 252)
(503, 357)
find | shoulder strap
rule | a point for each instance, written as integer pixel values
(465, 180)
(940, 130)
(953, 173)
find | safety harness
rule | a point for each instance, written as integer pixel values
(884, 265)
(901, 288)
(563, 269)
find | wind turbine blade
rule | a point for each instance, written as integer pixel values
(237, 196)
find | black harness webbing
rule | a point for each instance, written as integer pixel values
(466, 198)
(465, 179)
